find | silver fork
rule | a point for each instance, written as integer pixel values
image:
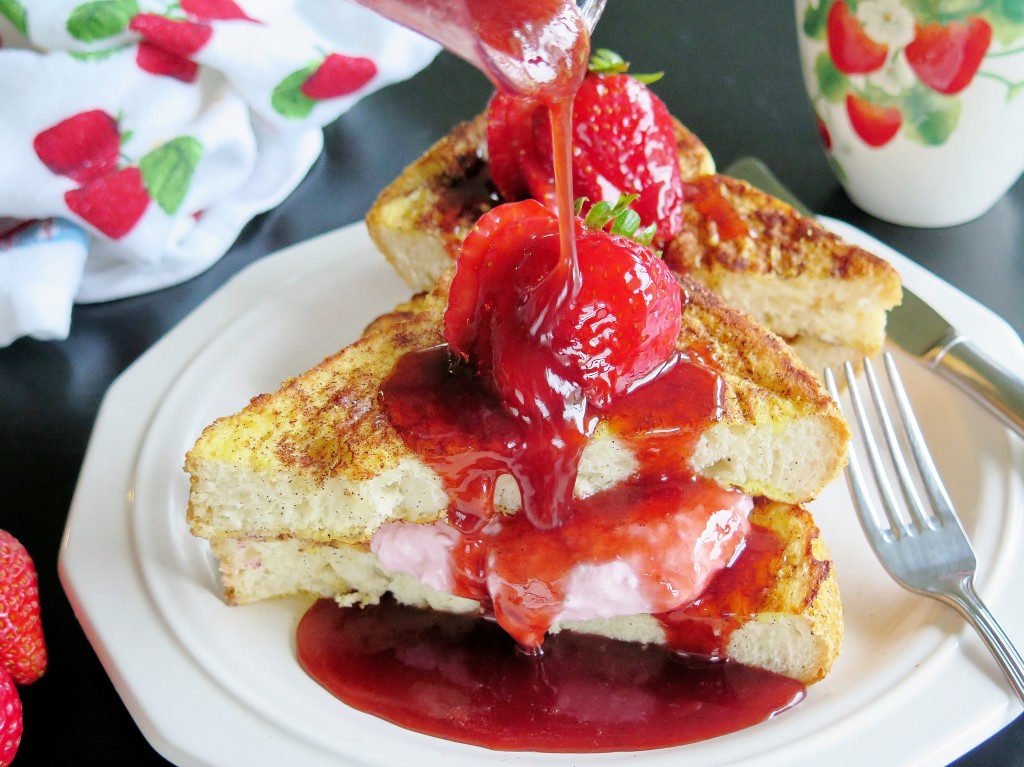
(924, 548)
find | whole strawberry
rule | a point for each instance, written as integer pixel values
(618, 327)
(22, 648)
(10, 719)
(623, 144)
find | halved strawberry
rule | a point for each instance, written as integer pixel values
(875, 124)
(853, 52)
(623, 144)
(82, 147)
(946, 58)
(22, 647)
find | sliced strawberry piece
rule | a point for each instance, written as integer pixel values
(875, 124)
(218, 10)
(853, 52)
(623, 143)
(179, 36)
(113, 204)
(83, 147)
(946, 58)
(22, 647)
(10, 719)
(338, 75)
(160, 61)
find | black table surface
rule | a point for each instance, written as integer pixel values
(731, 74)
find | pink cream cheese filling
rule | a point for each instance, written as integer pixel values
(663, 567)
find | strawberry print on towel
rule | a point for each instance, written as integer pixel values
(167, 126)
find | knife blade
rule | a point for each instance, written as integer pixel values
(920, 330)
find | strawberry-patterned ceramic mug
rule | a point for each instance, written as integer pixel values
(920, 103)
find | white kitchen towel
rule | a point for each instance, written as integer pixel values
(159, 129)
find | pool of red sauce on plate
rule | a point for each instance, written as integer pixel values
(464, 678)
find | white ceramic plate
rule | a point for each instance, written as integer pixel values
(211, 684)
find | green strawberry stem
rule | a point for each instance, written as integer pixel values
(1013, 88)
(608, 62)
(1007, 52)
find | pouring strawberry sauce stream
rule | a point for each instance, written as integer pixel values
(555, 325)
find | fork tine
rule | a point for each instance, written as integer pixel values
(915, 507)
(941, 504)
(896, 525)
(876, 527)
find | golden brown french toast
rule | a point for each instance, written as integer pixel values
(292, 490)
(825, 296)
(319, 459)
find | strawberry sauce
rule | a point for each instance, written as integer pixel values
(461, 678)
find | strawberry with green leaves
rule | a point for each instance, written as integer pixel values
(623, 144)
(617, 328)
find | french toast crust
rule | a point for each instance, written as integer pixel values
(804, 597)
(786, 270)
(328, 422)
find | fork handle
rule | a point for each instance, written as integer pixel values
(966, 601)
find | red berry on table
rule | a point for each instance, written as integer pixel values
(160, 61)
(875, 124)
(179, 36)
(338, 75)
(221, 10)
(113, 204)
(83, 147)
(946, 58)
(623, 143)
(10, 719)
(852, 50)
(22, 647)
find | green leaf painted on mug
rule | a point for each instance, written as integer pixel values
(16, 14)
(816, 18)
(101, 19)
(1006, 17)
(929, 117)
(167, 171)
(832, 83)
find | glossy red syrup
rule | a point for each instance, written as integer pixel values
(520, 570)
(705, 196)
(462, 678)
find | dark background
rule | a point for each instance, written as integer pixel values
(732, 76)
